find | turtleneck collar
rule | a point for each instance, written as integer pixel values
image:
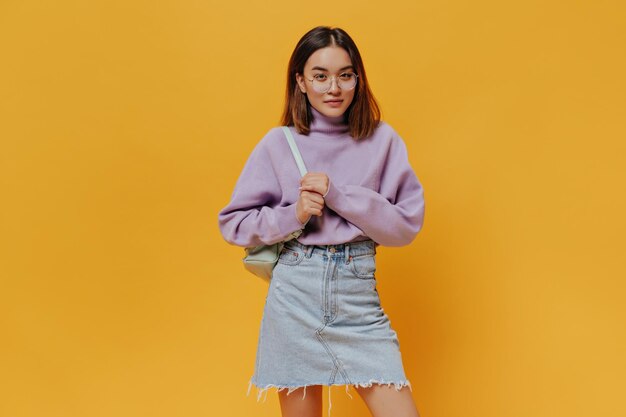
(328, 125)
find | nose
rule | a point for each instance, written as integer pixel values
(334, 85)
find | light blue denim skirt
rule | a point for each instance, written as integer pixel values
(323, 323)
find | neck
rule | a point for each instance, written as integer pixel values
(328, 125)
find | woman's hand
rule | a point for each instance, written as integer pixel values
(313, 185)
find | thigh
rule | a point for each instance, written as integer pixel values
(386, 401)
(301, 404)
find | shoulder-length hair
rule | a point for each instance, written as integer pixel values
(363, 114)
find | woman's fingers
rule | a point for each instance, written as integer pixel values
(313, 196)
(314, 181)
(312, 202)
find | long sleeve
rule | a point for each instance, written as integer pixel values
(395, 215)
(253, 216)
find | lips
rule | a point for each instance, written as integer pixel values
(333, 101)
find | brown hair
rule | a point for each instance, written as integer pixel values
(363, 114)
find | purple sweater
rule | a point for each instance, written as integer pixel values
(373, 191)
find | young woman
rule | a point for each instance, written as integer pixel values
(323, 323)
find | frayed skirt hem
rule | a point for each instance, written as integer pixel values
(290, 388)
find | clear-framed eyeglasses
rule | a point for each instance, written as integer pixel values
(322, 83)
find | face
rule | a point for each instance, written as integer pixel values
(329, 61)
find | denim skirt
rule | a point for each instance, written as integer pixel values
(323, 323)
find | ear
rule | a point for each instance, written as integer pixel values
(300, 81)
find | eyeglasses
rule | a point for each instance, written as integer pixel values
(322, 83)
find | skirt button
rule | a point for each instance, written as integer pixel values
(332, 250)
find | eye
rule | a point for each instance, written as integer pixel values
(347, 75)
(320, 77)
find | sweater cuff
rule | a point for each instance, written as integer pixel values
(287, 220)
(329, 183)
(331, 194)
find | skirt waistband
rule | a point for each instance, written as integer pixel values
(362, 247)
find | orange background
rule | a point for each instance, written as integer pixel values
(124, 126)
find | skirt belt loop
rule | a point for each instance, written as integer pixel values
(347, 254)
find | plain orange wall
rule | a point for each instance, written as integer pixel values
(124, 126)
